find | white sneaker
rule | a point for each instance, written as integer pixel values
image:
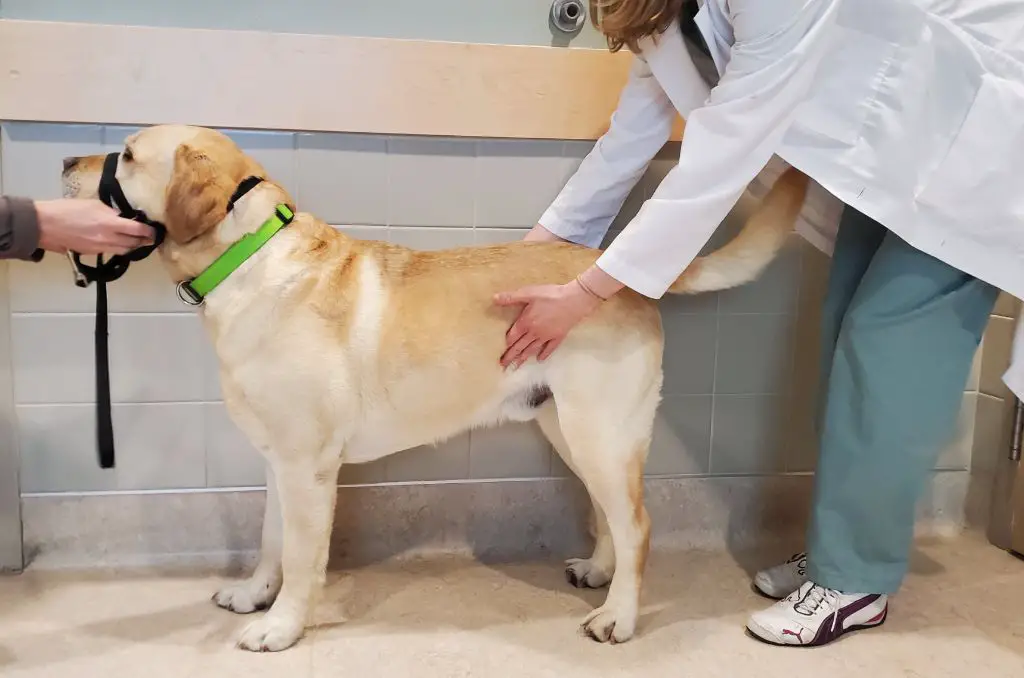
(779, 581)
(815, 615)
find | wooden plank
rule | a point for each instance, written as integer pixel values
(94, 73)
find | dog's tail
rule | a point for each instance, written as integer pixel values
(746, 256)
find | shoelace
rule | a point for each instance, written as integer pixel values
(817, 596)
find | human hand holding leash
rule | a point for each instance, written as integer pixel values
(550, 312)
(88, 227)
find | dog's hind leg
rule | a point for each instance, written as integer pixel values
(596, 571)
(609, 459)
(307, 488)
(260, 590)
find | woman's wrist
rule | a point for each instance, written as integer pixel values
(598, 283)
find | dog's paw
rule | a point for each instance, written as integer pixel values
(606, 624)
(272, 633)
(584, 573)
(246, 596)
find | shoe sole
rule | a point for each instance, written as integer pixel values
(845, 632)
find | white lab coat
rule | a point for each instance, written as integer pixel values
(912, 111)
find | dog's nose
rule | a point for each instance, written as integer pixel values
(70, 162)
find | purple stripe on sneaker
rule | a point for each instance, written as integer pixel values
(832, 628)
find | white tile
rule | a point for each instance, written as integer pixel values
(681, 441)
(448, 460)
(48, 287)
(156, 358)
(431, 181)
(516, 180)
(421, 238)
(160, 446)
(343, 178)
(33, 154)
(115, 136)
(514, 450)
(211, 370)
(146, 288)
(750, 435)
(231, 460)
(52, 358)
(497, 236)
(755, 353)
(275, 151)
(153, 358)
(58, 449)
(379, 233)
(689, 356)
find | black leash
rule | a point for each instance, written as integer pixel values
(102, 273)
(110, 270)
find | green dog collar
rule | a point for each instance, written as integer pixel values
(193, 292)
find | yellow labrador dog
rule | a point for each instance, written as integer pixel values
(339, 351)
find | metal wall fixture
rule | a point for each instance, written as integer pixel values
(568, 16)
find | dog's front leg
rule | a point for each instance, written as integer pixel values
(307, 491)
(260, 590)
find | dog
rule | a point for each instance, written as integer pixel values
(338, 351)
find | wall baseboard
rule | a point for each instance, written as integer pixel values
(492, 521)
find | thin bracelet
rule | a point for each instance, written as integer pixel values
(588, 290)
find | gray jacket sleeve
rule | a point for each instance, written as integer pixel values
(19, 230)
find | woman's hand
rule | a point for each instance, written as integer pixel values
(88, 227)
(550, 312)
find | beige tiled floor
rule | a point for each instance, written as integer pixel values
(961, 613)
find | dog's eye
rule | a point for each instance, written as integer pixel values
(127, 155)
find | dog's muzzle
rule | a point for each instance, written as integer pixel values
(110, 270)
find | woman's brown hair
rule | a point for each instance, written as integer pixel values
(627, 22)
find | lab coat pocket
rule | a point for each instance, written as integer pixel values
(846, 85)
(979, 179)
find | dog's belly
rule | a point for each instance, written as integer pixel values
(389, 430)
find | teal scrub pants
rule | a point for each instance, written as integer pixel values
(899, 333)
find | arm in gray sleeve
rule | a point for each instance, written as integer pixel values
(19, 230)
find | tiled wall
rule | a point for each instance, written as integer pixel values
(740, 365)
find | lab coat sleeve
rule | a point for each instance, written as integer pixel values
(777, 48)
(640, 126)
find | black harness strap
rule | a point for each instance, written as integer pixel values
(102, 273)
(247, 185)
(108, 271)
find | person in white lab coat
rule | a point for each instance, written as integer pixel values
(908, 111)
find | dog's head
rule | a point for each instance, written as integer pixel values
(181, 176)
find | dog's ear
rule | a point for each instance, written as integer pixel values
(197, 196)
